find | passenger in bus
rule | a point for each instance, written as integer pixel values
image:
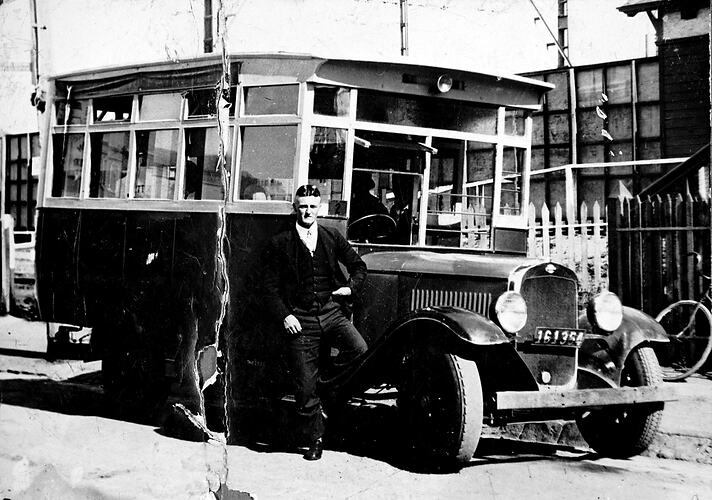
(254, 192)
(401, 210)
(305, 290)
(363, 203)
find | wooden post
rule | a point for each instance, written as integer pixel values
(531, 233)
(614, 250)
(583, 218)
(598, 246)
(545, 239)
(7, 243)
(559, 234)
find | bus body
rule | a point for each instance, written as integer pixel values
(146, 235)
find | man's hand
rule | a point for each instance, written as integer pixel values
(292, 325)
(344, 291)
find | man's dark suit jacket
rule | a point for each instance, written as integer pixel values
(281, 276)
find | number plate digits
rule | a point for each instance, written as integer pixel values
(558, 336)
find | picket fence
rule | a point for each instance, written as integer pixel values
(578, 241)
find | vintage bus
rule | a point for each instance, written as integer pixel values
(160, 189)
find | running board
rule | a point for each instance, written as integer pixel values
(584, 398)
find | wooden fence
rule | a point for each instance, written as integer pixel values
(578, 242)
(651, 242)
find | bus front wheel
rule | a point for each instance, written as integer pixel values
(440, 404)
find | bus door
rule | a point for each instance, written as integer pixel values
(386, 187)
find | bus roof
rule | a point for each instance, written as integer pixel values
(405, 75)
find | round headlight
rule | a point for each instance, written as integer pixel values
(606, 311)
(511, 311)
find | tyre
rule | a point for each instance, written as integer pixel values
(440, 406)
(687, 323)
(626, 431)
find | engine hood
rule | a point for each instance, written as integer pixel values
(453, 264)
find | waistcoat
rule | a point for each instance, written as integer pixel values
(316, 280)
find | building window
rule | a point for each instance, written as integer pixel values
(20, 180)
(208, 27)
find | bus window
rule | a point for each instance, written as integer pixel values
(68, 153)
(109, 165)
(201, 103)
(267, 162)
(77, 111)
(387, 180)
(326, 167)
(203, 180)
(460, 200)
(331, 101)
(479, 185)
(159, 107)
(513, 164)
(272, 100)
(156, 158)
(113, 109)
(445, 202)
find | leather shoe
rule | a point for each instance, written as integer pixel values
(315, 450)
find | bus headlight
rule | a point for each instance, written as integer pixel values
(605, 311)
(511, 310)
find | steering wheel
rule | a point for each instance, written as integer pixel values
(372, 228)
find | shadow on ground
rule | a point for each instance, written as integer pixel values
(371, 431)
(374, 431)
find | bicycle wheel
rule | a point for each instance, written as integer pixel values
(687, 323)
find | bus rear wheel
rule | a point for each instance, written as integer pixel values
(440, 406)
(132, 375)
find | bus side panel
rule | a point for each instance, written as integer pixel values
(58, 291)
(100, 258)
(142, 270)
(258, 374)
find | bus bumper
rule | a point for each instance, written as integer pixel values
(584, 398)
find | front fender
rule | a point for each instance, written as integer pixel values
(463, 324)
(605, 354)
(456, 330)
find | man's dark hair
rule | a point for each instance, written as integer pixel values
(307, 190)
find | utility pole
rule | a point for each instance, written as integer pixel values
(404, 26)
(563, 55)
(563, 28)
(35, 62)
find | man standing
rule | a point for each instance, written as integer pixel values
(304, 285)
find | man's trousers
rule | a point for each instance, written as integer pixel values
(323, 329)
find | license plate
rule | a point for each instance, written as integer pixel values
(558, 336)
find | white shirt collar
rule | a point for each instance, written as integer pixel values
(308, 236)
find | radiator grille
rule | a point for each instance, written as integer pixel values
(551, 302)
(474, 301)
